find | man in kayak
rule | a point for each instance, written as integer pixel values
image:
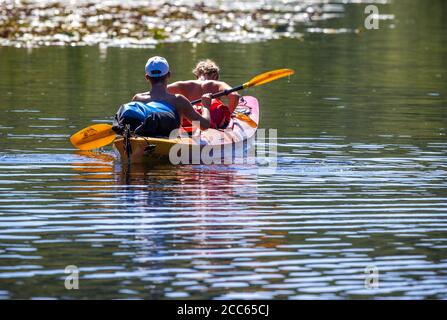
(162, 111)
(207, 81)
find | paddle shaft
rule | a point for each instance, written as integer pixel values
(256, 81)
(221, 93)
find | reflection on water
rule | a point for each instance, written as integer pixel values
(308, 231)
(360, 179)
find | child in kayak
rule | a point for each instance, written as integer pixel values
(162, 111)
(207, 81)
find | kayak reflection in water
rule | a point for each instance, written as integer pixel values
(207, 81)
(161, 111)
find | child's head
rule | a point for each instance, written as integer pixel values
(206, 70)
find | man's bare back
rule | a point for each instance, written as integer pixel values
(194, 89)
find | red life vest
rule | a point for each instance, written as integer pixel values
(220, 115)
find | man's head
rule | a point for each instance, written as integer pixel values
(157, 70)
(206, 70)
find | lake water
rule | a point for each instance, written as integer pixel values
(360, 182)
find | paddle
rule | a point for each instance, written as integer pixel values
(256, 81)
(100, 135)
(93, 137)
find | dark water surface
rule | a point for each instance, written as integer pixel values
(361, 177)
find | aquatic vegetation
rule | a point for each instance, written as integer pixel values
(146, 23)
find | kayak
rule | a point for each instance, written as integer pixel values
(196, 146)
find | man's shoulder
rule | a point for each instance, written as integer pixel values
(214, 84)
(186, 83)
(143, 96)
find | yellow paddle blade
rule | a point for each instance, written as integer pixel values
(244, 117)
(93, 137)
(268, 76)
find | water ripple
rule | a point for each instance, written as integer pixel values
(307, 231)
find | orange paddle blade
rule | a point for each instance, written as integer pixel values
(268, 76)
(93, 137)
(247, 119)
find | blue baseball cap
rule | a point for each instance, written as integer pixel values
(156, 67)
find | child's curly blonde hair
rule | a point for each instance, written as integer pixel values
(206, 68)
